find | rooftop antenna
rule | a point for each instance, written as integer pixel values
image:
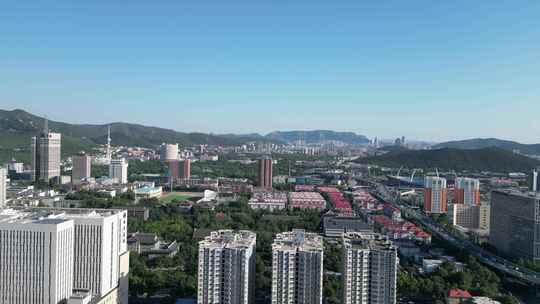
(108, 152)
(437, 171)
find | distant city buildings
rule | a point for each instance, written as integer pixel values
(66, 250)
(467, 191)
(118, 170)
(82, 168)
(514, 224)
(370, 264)
(227, 268)
(297, 268)
(3, 186)
(45, 155)
(265, 173)
(435, 195)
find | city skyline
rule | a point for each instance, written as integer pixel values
(383, 69)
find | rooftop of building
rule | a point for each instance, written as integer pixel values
(458, 293)
(298, 239)
(229, 239)
(52, 215)
(514, 192)
(367, 240)
(146, 190)
(305, 195)
(10, 216)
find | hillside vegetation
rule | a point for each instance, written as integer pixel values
(18, 126)
(481, 143)
(487, 159)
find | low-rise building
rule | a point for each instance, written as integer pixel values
(268, 200)
(335, 226)
(148, 192)
(306, 200)
(149, 244)
(431, 265)
(457, 296)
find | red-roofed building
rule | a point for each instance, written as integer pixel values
(399, 230)
(457, 296)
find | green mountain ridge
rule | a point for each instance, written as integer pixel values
(481, 143)
(18, 126)
(486, 159)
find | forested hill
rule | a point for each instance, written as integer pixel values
(487, 159)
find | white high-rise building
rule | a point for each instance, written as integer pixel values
(45, 158)
(3, 186)
(370, 265)
(227, 268)
(82, 168)
(118, 169)
(36, 259)
(297, 268)
(98, 249)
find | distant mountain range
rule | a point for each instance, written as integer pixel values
(318, 136)
(485, 159)
(18, 126)
(481, 143)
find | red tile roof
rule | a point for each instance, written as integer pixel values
(458, 293)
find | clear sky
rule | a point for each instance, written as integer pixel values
(432, 70)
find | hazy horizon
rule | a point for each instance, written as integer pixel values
(432, 71)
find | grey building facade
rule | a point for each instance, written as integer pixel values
(515, 224)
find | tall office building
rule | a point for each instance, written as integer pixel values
(467, 191)
(82, 168)
(435, 194)
(515, 223)
(118, 169)
(186, 169)
(297, 268)
(36, 259)
(535, 180)
(174, 169)
(98, 249)
(265, 173)
(45, 158)
(370, 265)
(168, 152)
(3, 186)
(227, 268)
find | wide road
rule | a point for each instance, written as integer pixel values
(482, 255)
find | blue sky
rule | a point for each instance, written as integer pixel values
(432, 70)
